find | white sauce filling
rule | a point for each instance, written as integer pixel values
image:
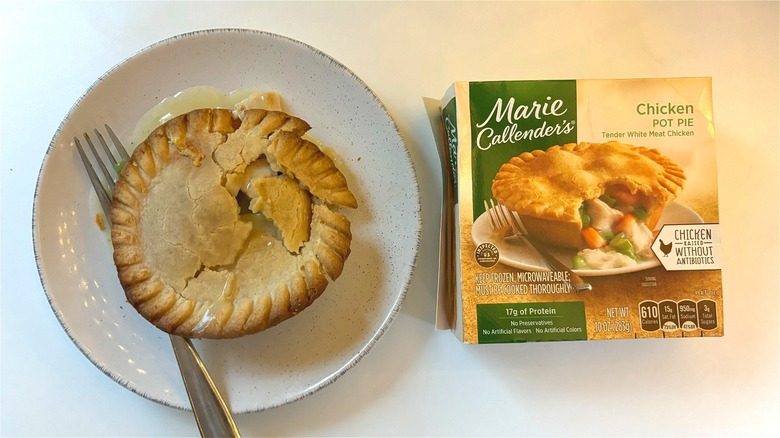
(606, 259)
(201, 97)
(603, 218)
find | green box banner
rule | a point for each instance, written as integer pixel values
(512, 117)
(531, 322)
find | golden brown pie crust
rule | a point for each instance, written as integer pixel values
(547, 188)
(190, 261)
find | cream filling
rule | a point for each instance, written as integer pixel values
(605, 259)
(202, 97)
(603, 218)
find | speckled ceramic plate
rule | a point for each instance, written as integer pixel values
(301, 355)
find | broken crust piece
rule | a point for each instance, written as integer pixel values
(548, 188)
(251, 139)
(282, 201)
(302, 159)
(187, 261)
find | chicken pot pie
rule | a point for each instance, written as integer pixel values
(191, 259)
(591, 196)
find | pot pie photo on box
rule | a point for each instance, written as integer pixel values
(226, 224)
(580, 209)
(602, 199)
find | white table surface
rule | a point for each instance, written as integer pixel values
(418, 381)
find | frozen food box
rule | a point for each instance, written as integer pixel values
(579, 210)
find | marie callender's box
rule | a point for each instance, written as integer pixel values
(583, 210)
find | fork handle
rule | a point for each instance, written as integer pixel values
(211, 412)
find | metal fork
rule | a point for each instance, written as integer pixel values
(211, 412)
(505, 221)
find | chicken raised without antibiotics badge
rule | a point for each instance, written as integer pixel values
(688, 247)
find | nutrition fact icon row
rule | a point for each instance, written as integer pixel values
(684, 315)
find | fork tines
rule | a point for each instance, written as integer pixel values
(502, 218)
(516, 223)
(103, 189)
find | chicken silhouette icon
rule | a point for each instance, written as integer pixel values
(666, 248)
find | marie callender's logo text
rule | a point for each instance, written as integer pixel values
(511, 122)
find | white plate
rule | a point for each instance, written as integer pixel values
(523, 257)
(301, 355)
